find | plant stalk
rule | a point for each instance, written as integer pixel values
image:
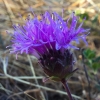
(65, 84)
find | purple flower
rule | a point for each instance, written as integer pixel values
(51, 32)
(49, 39)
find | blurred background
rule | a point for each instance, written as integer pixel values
(21, 79)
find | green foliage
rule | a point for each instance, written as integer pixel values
(85, 15)
(82, 15)
(91, 60)
(95, 19)
(89, 54)
(96, 66)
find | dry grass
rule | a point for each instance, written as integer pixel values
(22, 79)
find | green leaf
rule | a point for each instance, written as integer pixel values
(97, 59)
(96, 66)
(89, 54)
(89, 63)
(95, 19)
(84, 15)
(77, 12)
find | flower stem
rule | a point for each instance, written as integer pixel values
(65, 84)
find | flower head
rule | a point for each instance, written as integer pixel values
(49, 39)
(51, 32)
